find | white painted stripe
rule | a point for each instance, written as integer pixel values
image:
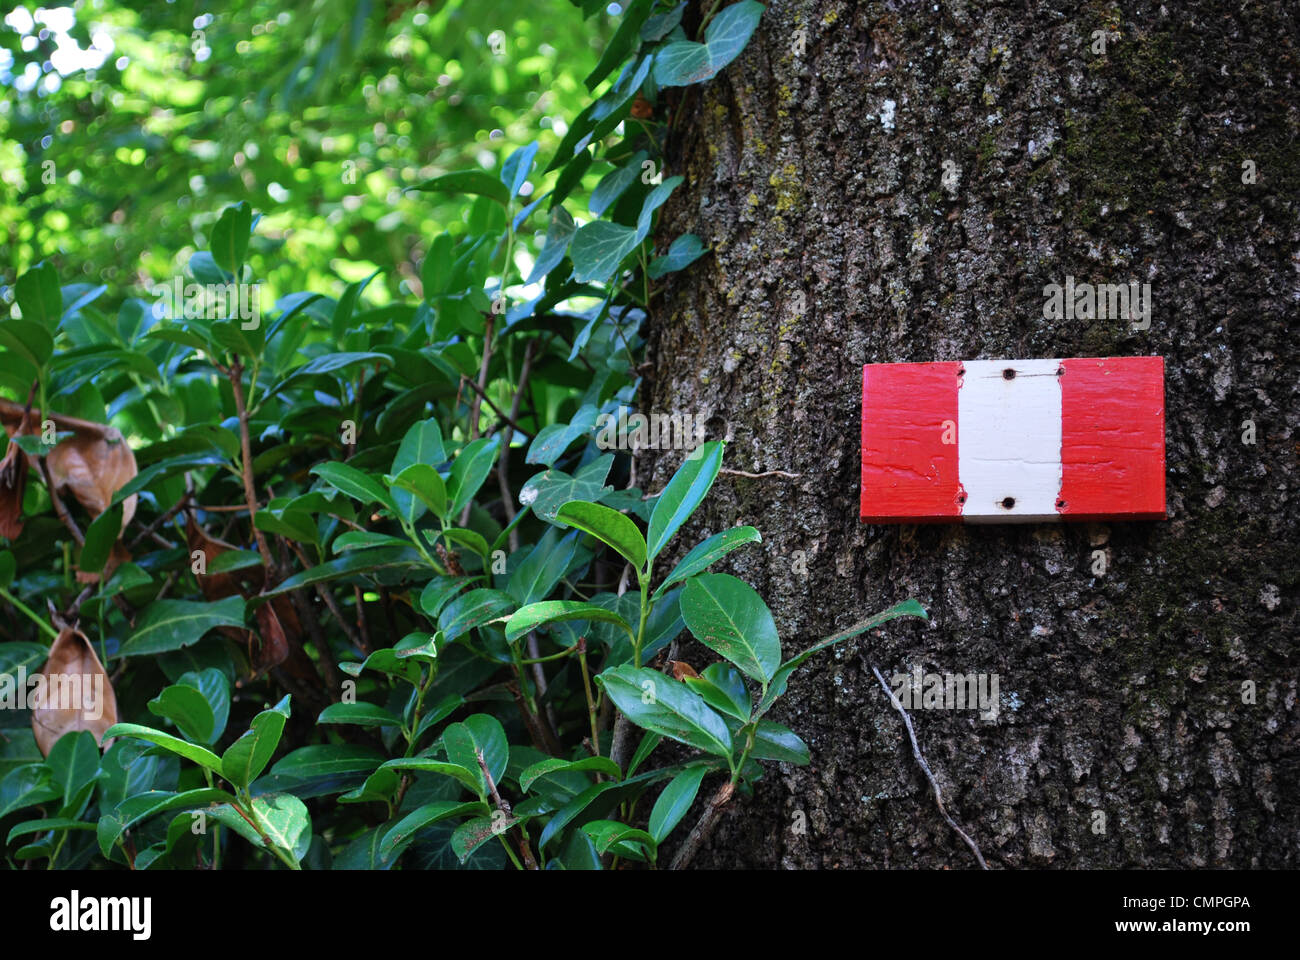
(1009, 440)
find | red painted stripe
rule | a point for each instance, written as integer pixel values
(908, 473)
(1113, 438)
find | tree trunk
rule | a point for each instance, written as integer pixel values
(899, 182)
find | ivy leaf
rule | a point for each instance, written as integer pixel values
(599, 247)
(559, 232)
(685, 62)
(621, 44)
(684, 251)
(518, 166)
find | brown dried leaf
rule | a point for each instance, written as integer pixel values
(94, 468)
(682, 669)
(273, 649)
(73, 668)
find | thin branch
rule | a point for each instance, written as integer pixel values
(236, 373)
(495, 409)
(503, 463)
(925, 768)
(525, 851)
(703, 827)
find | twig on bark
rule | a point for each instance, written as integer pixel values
(765, 473)
(925, 768)
(703, 827)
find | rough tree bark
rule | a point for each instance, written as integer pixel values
(815, 171)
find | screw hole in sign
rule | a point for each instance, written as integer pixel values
(1008, 374)
(1008, 502)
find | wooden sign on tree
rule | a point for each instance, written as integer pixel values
(1013, 441)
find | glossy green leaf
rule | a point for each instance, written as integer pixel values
(661, 704)
(190, 751)
(684, 493)
(703, 555)
(172, 624)
(908, 608)
(188, 708)
(554, 611)
(729, 617)
(608, 526)
(675, 801)
(248, 756)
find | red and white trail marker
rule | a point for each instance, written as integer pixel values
(1014, 441)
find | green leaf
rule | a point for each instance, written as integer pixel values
(729, 32)
(729, 617)
(73, 762)
(472, 780)
(472, 182)
(188, 708)
(625, 841)
(559, 232)
(608, 526)
(598, 248)
(190, 751)
(518, 166)
(353, 563)
(351, 481)
(422, 443)
(360, 713)
(551, 489)
(28, 339)
(478, 733)
(614, 183)
(473, 609)
(625, 39)
(400, 835)
(684, 251)
(553, 611)
(173, 624)
(214, 686)
(50, 823)
(646, 747)
(142, 806)
(675, 801)
(775, 742)
(539, 572)
(248, 756)
(655, 199)
(908, 608)
(682, 63)
(472, 834)
(684, 493)
(38, 295)
(437, 592)
(544, 768)
(27, 786)
(327, 759)
(285, 821)
(471, 468)
(723, 689)
(421, 481)
(554, 438)
(228, 241)
(703, 555)
(661, 704)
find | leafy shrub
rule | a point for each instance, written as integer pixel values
(382, 543)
